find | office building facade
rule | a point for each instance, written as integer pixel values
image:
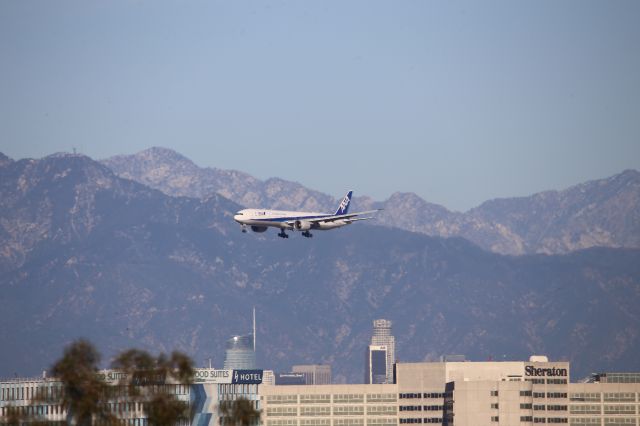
(382, 337)
(315, 374)
(376, 365)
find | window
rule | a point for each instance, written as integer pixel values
(585, 397)
(410, 421)
(538, 394)
(619, 409)
(525, 393)
(584, 409)
(526, 418)
(557, 407)
(383, 397)
(437, 420)
(495, 418)
(620, 397)
(315, 422)
(527, 406)
(315, 399)
(348, 410)
(433, 408)
(282, 411)
(539, 420)
(282, 399)
(410, 395)
(539, 407)
(556, 395)
(379, 410)
(494, 405)
(620, 421)
(585, 421)
(434, 395)
(284, 422)
(348, 398)
(557, 381)
(535, 381)
(382, 422)
(411, 408)
(315, 411)
(348, 422)
(494, 393)
(557, 420)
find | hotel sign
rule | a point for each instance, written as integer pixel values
(532, 371)
(236, 377)
(210, 375)
(247, 377)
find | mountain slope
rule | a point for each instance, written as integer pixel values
(174, 174)
(599, 213)
(85, 253)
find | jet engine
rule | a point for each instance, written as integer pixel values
(255, 228)
(302, 225)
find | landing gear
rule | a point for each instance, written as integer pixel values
(282, 234)
(307, 234)
(244, 228)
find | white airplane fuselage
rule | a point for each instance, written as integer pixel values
(282, 219)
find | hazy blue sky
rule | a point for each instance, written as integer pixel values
(457, 101)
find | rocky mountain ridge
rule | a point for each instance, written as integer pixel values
(603, 212)
(86, 253)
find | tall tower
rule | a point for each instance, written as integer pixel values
(241, 350)
(382, 337)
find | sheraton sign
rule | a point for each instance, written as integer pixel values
(532, 371)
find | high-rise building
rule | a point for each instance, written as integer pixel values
(376, 362)
(241, 350)
(315, 374)
(382, 337)
(240, 353)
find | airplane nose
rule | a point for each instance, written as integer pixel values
(237, 217)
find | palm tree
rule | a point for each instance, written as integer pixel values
(239, 412)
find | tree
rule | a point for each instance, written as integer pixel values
(240, 412)
(151, 381)
(84, 393)
(148, 380)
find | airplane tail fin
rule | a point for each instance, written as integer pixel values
(343, 208)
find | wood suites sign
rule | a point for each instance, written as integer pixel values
(532, 371)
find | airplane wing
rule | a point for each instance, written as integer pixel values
(351, 217)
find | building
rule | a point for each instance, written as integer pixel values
(289, 379)
(376, 365)
(442, 393)
(241, 350)
(462, 394)
(315, 374)
(382, 337)
(330, 405)
(240, 353)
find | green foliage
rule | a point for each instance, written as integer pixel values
(84, 393)
(240, 412)
(148, 380)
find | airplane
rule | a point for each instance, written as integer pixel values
(259, 220)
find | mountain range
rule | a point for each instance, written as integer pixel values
(600, 213)
(87, 251)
